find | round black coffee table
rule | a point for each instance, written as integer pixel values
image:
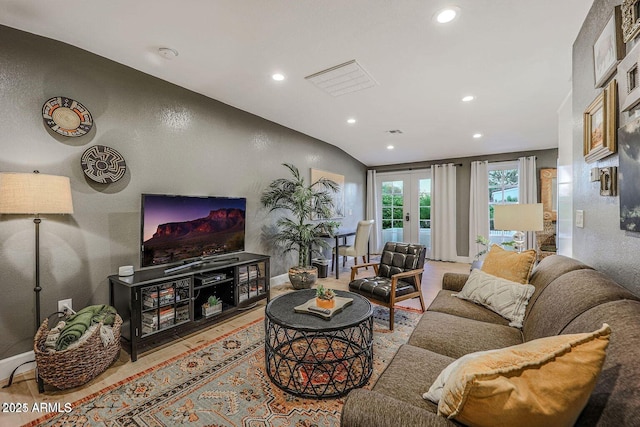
(312, 357)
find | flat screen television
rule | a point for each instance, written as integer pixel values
(178, 228)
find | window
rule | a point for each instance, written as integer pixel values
(392, 204)
(503, 189)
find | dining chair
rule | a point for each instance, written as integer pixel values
(357, 249)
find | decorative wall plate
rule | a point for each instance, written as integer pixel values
(103, 164)
(66, 116)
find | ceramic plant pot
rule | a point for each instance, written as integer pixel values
(325, 303)
(211, 310)
(303, 277)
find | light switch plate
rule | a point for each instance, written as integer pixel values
(580, 218)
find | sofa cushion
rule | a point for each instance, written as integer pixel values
(615, 401)
(446, 302)
(539, 383)
(423, 365)
(549, 269)
(566, 298)
(455, 336)
(507, 298)
(510, 265)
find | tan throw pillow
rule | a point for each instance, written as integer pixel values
(509, 265)
(544, 382)
(508, 299)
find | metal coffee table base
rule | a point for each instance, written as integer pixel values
(319, 363)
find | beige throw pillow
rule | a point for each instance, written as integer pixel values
(507, 298)
(509, 265)
(544, 382)
(434, 394)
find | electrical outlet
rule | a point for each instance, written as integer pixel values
(62, 304)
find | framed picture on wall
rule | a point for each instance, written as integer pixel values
(600, 123)
(630, 19)
(609, 49)
(338, 197)
(629, 80)
(629, 176)
(548, 194)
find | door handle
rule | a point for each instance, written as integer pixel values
(406, 216)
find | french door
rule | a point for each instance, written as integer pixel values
(405, 207)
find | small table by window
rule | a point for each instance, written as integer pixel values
(308, 356)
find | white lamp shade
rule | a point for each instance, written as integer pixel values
(35, 193)
(518, 217)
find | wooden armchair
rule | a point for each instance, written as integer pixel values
(398, 276)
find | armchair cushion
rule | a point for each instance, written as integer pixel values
(379, 288)
(400, 257)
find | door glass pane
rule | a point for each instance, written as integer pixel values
(392, 211)
(503, 189)
(424, 206)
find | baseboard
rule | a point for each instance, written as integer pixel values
(279, 280)
(9, 364)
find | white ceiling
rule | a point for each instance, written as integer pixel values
(513, 55)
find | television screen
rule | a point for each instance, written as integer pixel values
(176, 228)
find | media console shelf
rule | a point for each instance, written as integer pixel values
(155, 306)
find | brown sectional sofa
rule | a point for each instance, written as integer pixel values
(570, 297)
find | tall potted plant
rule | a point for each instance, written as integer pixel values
(301, 201)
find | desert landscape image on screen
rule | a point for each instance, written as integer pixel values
(176, 228)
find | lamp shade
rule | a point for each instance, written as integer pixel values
(34, 193)
(518, 217)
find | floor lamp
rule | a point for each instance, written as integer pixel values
(519, 217)
(35, 194)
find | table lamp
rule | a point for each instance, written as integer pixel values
(520, 218)
(35, 193)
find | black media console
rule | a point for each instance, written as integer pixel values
(156, 304)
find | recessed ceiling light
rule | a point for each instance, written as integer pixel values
(351, 121)
(477, 135)
(468, 98)
(390, 147)
(447, 15)
(167, 53)
(278, 77)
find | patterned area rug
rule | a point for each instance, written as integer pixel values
(223, 383)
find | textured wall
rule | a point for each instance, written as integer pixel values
(174, 141)
(600, 243)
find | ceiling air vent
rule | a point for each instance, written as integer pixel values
(342, 79)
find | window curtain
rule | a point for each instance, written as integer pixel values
(443, 213)
(478, 205)
(528, 189)
(372, 212)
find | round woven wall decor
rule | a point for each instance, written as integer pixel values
(103, 164)
(66, 116)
